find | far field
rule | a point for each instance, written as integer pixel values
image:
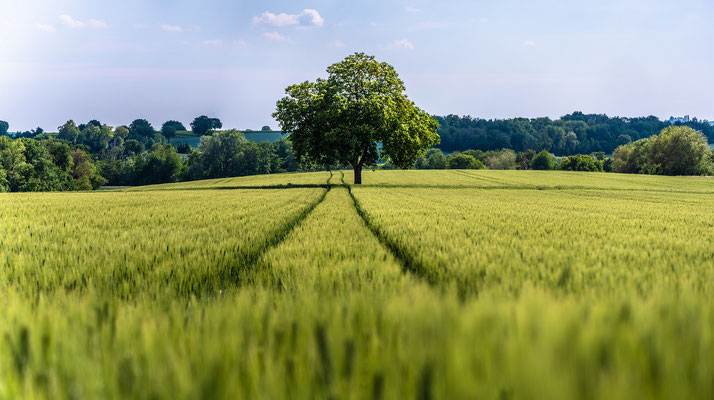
(418, 284)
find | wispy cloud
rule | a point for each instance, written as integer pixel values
(178, 28)
(529, 43)
(308, 17)
(240, 42)
(412, 9)
(172, 28)
(45, 28)
(275, 36)
(429, 25)
(338, 44)
(212, 42)
(402, 44)
(70, 22)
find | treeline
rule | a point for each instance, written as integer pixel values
(87, 156)
(676, 150)
(29, 165)
(575, 133)
(509, 159)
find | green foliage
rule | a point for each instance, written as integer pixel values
(677, 150)
(203, 125)
(84, 172)
(69, 132)
(575, 133)
(463, 161)
(4, 126)
(581, 162)
(340, 120)
(30, 166)
(169, 128)
(141, 128)
(543, 161)
(432, 159)
(506, 159)
(228, 154)
(4, 183)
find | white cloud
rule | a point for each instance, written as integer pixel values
(412, 9)
(45, 28)
(275, 36)
(337, 44)
(402, 44)
(529, 43)
(70, 22)
(241, 43)
(308, 17)
(483, 20)
(213, 42)
(172, 28)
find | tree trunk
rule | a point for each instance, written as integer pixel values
(358, 174)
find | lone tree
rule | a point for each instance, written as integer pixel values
(169, 128)
(341, 119)
(203, 125)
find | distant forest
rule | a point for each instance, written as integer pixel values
(575, 133)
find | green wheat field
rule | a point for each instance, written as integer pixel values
(416, 285)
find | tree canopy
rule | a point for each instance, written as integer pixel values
(677, 150)
(575, 133)
(169, 128)
(341, 119)
(141, 128)
(203, 125)
(4, 126)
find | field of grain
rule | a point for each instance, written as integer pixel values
(418, 284)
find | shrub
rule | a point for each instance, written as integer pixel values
(581, 162)
(432, 159)
(505, 160)
(543, 161)
(464, 161)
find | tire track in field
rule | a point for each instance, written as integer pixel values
(238, 274)
(410, 264)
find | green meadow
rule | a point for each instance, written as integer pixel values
(449, 284)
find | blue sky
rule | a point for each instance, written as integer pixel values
(159, 59)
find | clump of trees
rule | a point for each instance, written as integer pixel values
(677, 150)
(575, 133)
(29, 165)
(229, 153)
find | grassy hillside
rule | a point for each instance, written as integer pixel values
(255, 136)
(418, 284)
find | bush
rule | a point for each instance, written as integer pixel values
(581, 162)
(463, 161)
(677, 150)
(543, 161)
(505, 160)
(432, 159)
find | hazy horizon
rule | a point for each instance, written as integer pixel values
(82, 60)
